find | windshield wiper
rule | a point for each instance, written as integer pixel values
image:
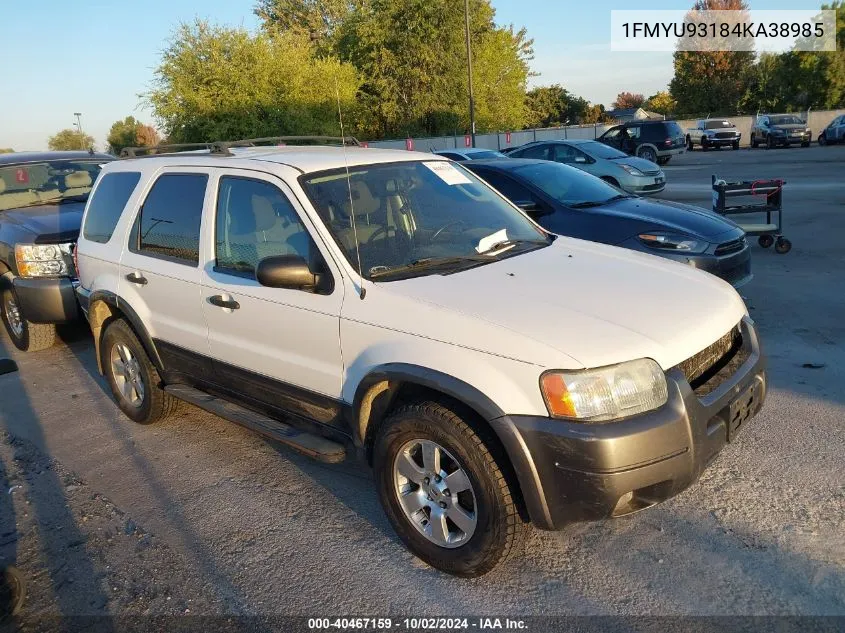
(430, 262)
(507, 243)
(598, 203)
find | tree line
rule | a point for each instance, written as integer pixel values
(398, 68)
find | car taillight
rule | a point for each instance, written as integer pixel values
(668, 141)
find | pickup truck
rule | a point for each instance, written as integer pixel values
(42, 197)
(713, 133)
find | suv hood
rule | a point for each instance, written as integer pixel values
(673, 216)
(49, 222)
(570, 305)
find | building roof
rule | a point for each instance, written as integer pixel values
(629, 114)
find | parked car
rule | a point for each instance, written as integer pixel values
(780, 129)
(834, 132)
(469, 153)
(569, 202)
(42, 195)
(656, 141)
(713, 133)
(635, 175)
(507, 150)
(390, 304)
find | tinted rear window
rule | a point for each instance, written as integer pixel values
(171, 216)
(111, 195)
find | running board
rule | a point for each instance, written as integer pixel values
(312, 445)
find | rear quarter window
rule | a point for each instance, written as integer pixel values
(106, 206)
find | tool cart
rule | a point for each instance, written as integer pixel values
(754, 198)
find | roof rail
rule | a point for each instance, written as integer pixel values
(156, 150)
(222, 147)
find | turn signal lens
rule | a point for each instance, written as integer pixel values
(42, 260)
(606, 393)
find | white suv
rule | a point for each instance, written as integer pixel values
(391, 303)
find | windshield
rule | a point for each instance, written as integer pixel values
(411, 213)
(566, 184)
(600, 150)
(715, 125)
(786, 120)
(29, 184)
(485, 154)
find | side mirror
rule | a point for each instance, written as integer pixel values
(286, 271)
(527, 205)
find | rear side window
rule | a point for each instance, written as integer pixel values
(673, 129)
(106, 207)
(169, 223)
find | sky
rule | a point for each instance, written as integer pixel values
(97, 56)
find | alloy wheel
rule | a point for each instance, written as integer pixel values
(435, 493)
(13, 315)
(126, 371)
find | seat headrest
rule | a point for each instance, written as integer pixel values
(363, 201)
(265, 214)
(78, 179)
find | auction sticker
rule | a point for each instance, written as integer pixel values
(447, 172)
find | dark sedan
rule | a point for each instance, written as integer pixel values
(570, 202)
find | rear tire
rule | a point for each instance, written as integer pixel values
(753, 142)
(783, 246)
(648, 154)
(134, 381)
(485, 505)
(26, 335)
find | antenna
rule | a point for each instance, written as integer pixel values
(362, 291)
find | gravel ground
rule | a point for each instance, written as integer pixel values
(196, 515)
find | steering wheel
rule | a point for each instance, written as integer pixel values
(446, 226)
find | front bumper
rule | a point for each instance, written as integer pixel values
(583, 472)
(47, 300)
(720, 142)
(791, 140)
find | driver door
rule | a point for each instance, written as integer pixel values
(273, 345)
(613, 137)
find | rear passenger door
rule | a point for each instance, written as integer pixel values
(159, 269)
(277, 346)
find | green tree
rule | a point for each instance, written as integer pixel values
(625, 100)
(550, 106)
(711, 82)
(315, 18)
(130, 133)
(217, 83)
(661, 102)
(411, 56)
(69, 139)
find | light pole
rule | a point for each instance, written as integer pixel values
(469, 72)
(78, 116)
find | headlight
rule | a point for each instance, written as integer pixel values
(670, 242)
(632, 170)
(43, 260)
(607, 393)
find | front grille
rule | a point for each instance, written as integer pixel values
(731, 247)
(725, 134)
(654, 187)
(710, 367)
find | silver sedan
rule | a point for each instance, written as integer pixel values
(634, 175)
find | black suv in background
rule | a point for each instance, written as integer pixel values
(656, 141)
(42, 197)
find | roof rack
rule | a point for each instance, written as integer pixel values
(221, 148)
(155, 150)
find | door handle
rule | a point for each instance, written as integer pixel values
(220, 302)
(136, 278)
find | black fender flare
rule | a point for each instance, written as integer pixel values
(516, 451)
(126, 311)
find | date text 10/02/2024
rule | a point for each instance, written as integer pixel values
(417, 624)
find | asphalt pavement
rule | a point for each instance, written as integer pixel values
(248, 527)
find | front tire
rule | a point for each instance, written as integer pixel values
(444, 491)
(26, 335)
(770, 144)
(134, 381)
(735, 145)
(822, 140)
(690, 145)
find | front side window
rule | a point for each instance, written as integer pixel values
(568, 185)
(412, 218)
(169, 223)
(107, 205)
(49, 182)
(255, 220)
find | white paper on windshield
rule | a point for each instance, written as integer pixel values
(448, 173)
(486, 243)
